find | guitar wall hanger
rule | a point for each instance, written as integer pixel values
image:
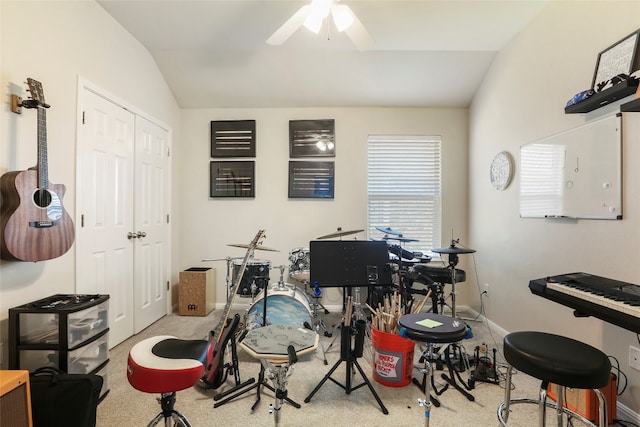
(17, 104)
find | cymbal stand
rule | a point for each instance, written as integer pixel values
(455, 348)
(350, 355)
(317, 320)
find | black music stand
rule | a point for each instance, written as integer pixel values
(350, 355)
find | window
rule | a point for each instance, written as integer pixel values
(403, 188)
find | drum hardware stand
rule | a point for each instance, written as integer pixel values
(350, 355)
(317, 321)
(485, 370)
(319, 304)
(452, 251)
(427, 383)
(453, 373)
(262, 382)
(278, 373)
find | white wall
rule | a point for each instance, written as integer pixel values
(55, 42)
(208, 225)
(521, 100)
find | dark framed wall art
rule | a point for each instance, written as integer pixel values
(311, 179)
(233, 138)
(312, 138)
(232, 179)
(623, 57)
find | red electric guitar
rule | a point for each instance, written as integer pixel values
(34, 224)
(213, 375)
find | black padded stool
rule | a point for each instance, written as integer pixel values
(431, 329)
(555, 359)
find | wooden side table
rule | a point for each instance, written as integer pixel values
(15, 399)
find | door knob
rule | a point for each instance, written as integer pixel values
(131, 235)
(141, 234)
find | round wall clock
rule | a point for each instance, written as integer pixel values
(501, 170)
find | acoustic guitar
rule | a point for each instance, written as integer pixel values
(34, 224)
(219, 337)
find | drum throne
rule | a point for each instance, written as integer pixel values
(165, 365)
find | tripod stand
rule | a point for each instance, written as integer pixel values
(452, 251)
(350, 355)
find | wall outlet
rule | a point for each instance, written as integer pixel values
(634, 357)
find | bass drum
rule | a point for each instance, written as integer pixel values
(286, 305)
(300, 259)
(256, 271)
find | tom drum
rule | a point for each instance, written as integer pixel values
(256, 271)
(300, 261)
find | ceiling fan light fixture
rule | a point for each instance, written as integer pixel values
(314, 23)
(342, 16)
(319, 11)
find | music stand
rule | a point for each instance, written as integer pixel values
(350, 264)
(350, 355)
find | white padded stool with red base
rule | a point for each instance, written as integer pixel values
(165, 364)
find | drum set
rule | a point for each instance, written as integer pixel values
(295, 308)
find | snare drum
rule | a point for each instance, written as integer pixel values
(286, 305)
(300, 261)
(256, 271)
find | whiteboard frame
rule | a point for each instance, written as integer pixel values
(567, 197)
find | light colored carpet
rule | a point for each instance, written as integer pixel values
(330, 405)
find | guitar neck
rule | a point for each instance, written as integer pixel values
(215, 337)
(43, 172)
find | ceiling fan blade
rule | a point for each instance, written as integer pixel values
(359, 34)
(290, 26)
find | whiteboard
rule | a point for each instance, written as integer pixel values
(574, 174)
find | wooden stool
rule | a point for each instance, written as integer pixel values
(555, 359)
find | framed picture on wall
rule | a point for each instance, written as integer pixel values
(232, 179)
(233, 138)
(311, 179)
(312, 138)
(623, 57)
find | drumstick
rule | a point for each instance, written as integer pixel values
(418, 308)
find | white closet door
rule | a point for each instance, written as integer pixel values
(151, 213)
(104, 253)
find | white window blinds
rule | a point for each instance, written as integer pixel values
(403, 188)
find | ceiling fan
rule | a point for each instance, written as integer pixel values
(313, 15)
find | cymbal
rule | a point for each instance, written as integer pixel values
(387, 230)
(339, 233)
(400, 238)
(453, 250)
(258, 247)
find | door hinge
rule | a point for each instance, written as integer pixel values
(168, 151)
(83, 117)
(167, 285)
(167, 218)
(82, 221)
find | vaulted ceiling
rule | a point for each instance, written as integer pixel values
(213, 53)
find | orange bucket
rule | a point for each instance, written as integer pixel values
(392, 358)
